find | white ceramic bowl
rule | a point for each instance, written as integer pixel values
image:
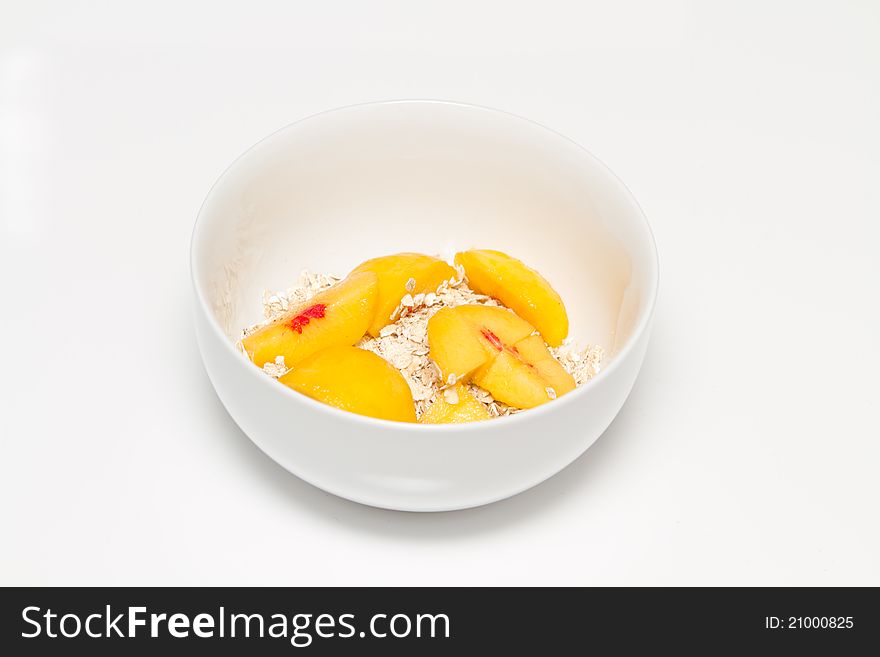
(339, 187)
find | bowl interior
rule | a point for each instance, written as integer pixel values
(337, 188)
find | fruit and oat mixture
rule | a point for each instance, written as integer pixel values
(409, 337)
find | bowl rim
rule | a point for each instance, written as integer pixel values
(416, 428)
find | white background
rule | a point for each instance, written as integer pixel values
(749, 450)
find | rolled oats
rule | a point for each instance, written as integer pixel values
(404, 342)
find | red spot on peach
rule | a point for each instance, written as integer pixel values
(316, 311)
(493, 339)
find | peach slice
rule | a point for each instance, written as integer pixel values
(524, 375)
(354, 380)
(463, 338)
(339, 315)
(518, 287)
(514, 380)
(534, 352)
(394, 272)
(466, 408)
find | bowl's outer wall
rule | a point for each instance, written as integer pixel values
(397, 466)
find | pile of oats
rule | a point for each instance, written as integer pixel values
(404, 342)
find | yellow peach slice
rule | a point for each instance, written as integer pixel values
(465, 409)
(394, 272)
(512, 382)
(533, 351)
(524, 375)
(463, 338)
(518, 287)
(339, 315)
(354, 380)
